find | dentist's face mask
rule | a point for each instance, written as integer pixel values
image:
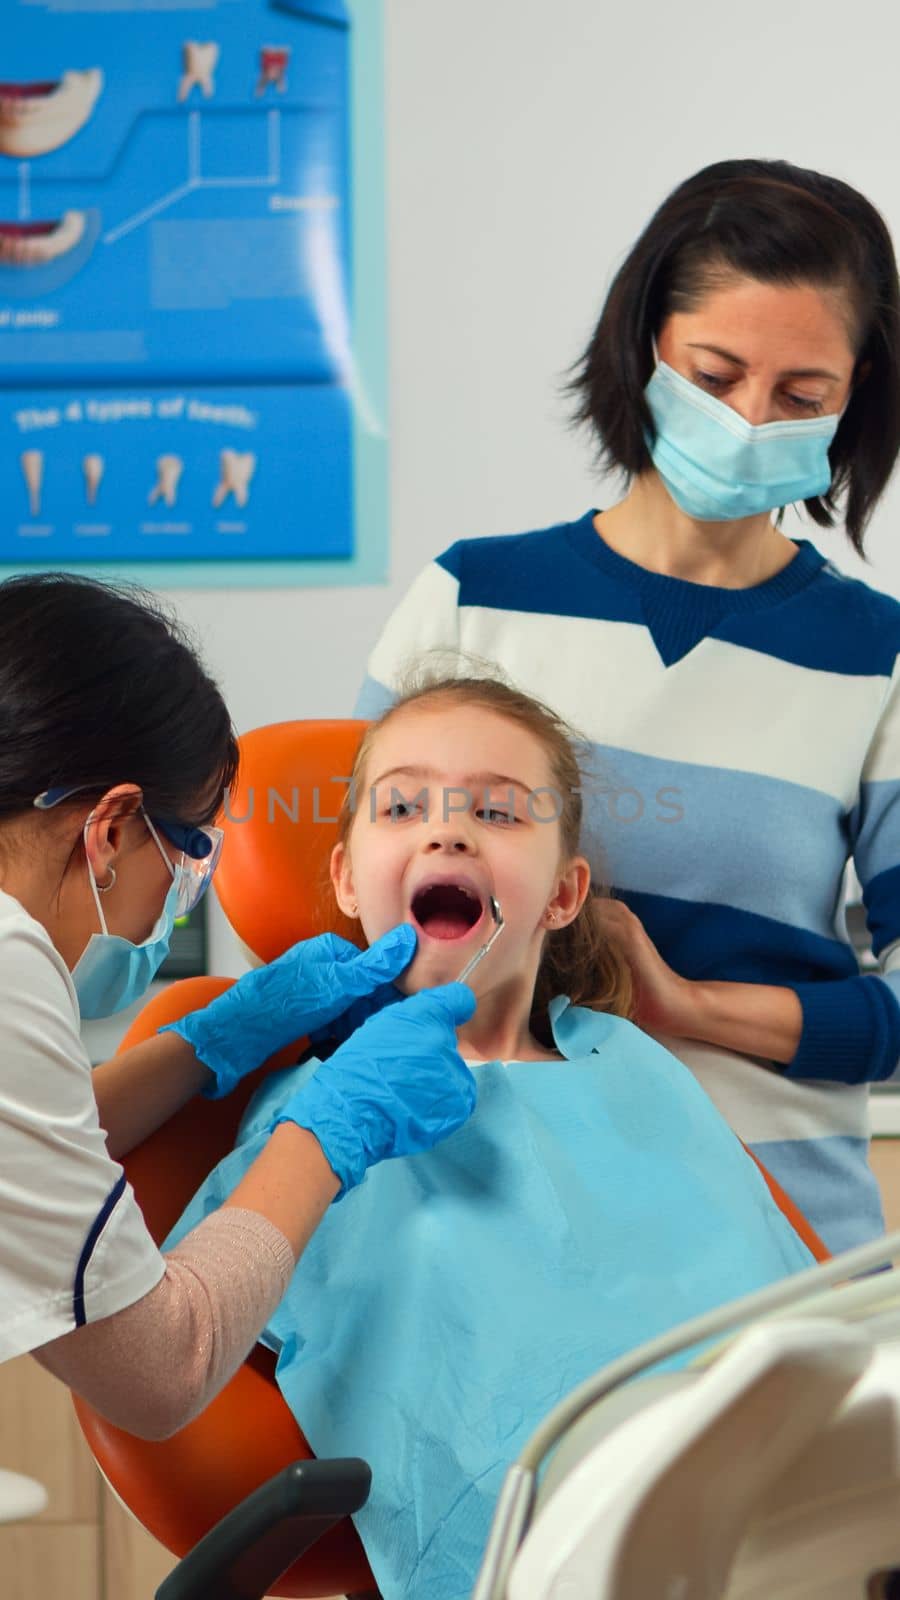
(717, 466)
(112, 972)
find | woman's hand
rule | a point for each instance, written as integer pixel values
(663, 1000)
(309, 986)
(755, 1019)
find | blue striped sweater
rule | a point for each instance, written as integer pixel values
(744, 744)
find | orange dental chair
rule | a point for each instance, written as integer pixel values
(273, 885)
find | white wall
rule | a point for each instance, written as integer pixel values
(528, 143)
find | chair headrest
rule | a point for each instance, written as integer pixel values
(280, 828)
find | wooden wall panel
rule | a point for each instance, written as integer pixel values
(40, 1437)
(40, 1561)
(884, 1156)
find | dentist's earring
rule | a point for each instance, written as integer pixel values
(104, 888)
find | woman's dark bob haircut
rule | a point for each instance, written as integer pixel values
(99, 686)
(779, 224)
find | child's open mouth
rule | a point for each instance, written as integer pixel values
(447, 909)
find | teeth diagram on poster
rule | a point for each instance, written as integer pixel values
(176, 323)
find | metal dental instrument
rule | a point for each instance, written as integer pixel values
(497, 915)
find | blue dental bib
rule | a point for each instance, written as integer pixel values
(453, 1298)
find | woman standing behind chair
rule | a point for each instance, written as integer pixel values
(115, 750)
(742, 695)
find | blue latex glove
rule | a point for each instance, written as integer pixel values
(334, 1033)
(397, 1087)
(306, 988)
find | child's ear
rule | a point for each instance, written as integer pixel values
(572, 890)
(342, 880)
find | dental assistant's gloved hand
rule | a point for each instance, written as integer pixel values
(396, 1088)
(306, 988)
(335, 1032)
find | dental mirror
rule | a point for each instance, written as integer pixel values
(497, 915)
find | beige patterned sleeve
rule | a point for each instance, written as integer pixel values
(153, 1366)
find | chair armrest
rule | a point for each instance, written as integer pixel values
(246, 1553)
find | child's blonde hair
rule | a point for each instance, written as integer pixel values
(579, 960)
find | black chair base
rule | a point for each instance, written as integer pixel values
(247, 1552)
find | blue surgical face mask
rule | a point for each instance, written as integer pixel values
(111, 972)
(717, 466)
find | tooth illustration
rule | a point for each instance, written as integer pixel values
(37, 117)
(92, 467)
(168, 474)
(33, 470)
(31, 244)
(199, 62)
(237, 468)
(273, 65)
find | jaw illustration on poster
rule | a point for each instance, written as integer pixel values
(177, 316)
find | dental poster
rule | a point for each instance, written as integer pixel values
(179, 380)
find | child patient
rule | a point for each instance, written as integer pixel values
(594, 1198)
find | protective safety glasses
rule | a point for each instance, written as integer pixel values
(200, 846)
(200, 849)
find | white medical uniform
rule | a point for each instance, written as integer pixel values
(73, 1243)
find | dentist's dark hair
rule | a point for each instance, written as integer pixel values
(99, 685)
(777, 224)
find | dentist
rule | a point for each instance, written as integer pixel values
(115, 752)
